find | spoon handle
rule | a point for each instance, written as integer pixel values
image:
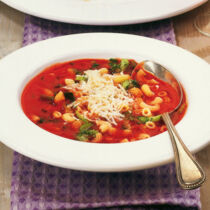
(189, 173)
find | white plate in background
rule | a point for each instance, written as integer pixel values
(104, 12)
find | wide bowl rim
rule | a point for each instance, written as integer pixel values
(97, 157)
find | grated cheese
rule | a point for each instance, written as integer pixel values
(103, 98)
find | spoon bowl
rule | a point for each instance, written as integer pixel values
(165, 75)
(189, 173)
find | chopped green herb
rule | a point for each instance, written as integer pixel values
(91, 132)
(69, 96)
(86, 134)
(77, 72)
(127, 84)
(113, 61)
(95, 66)
(81, 78)
(86, 126)
(143, 120)
(132, 64)
(155, 118)
(82, 137)
(134, 83)
(114, 65)
(79, 116)
(124, 63)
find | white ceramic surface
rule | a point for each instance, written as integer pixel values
(104, 12)
(19, 133)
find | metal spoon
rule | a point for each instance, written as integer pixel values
(189, 173)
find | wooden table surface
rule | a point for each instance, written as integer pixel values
(11, 29)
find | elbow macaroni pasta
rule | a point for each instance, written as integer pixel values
(150, 125)
(146, 112)
(157, 100)
(146, 90)
(153, 108)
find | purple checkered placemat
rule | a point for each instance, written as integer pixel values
(38, 186)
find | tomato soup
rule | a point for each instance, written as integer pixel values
(100, 100)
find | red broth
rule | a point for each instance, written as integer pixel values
(67, 100)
